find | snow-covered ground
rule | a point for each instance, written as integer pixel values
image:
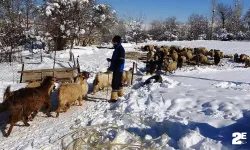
(194, 108)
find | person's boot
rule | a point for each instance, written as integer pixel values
(120, 93)
(114, 96)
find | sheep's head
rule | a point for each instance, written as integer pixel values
(85, 74)
(48, 80)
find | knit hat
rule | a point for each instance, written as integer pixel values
(117, 39)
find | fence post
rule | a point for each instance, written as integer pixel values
(78, 65)
(133, 73)
(21, 78)
(54, 60)
(41, 55)
(74, 61)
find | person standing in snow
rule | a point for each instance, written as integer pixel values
(117, 67)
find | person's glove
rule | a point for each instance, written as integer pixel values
(108, 59)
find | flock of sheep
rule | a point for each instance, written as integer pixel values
(25, 103)
(169, 58)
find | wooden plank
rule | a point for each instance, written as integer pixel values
(49, 70)
(31, 77)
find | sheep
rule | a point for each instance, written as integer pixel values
(188, 55)
(211, 53)
(165, 49)
(247, 62)
(127, 77)
(217, 51)
(170, 66)
(174, 56)
(200, 50)
(33, 84)
(243, 57)
(101, 81)
(201, 59)
(184, 59)
(23, 102)
(70, 92)
(85, 74)
(150, 55)
(151, 47)
(172, 49)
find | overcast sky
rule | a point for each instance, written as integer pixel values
(160, 9)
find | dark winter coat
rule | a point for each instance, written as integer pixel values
(118, 59)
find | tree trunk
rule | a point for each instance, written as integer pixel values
(59, 43)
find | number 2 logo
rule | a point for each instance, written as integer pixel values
(236, 138)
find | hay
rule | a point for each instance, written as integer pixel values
(105, 137)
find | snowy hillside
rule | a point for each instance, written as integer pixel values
(195, 108)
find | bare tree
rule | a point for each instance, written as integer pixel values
(224, 12)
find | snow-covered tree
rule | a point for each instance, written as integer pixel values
(11, 25)
(135, 31)
(198, 27)
(164, 30)
(247, 20)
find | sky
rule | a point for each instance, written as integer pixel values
(161, 9)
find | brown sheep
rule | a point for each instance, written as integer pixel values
(174, 56)
(243, 57)
(190, 50)
(217, 51)
(102, 80)
(247, 62)
(184, 59)
(150, 55)
(25, 101)
(151, 47)
(166, 51)
(211, 53)
(170, 66)
(172, 49)
(127, 77)
(70, 92)
(33, 84)
(201, 59)
(200, 50)
(188, 55)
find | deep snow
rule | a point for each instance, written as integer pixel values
(194, 108)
